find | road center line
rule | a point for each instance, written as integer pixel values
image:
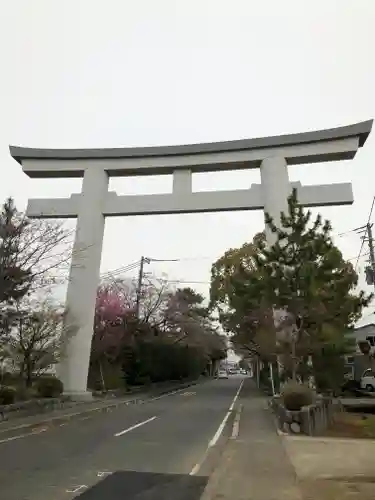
(121, 433)
(218, 433)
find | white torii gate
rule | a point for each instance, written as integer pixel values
(271, 154)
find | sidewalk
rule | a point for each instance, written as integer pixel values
(333, 468)
(254, 466)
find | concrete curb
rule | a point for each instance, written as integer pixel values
(57, 420)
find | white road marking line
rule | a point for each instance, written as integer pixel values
(134, 427)
(166, 395)
(77, 488)
(217, 435)
(20, 436)
(236, 424)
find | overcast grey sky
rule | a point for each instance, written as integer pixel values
(89, 73)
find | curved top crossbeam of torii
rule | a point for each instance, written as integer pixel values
(333, 144)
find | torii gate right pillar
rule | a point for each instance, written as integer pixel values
(274, 172)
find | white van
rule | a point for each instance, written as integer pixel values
(368, 380)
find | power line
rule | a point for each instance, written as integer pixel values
(115, 272)
(356, 257)
(135, 265)
(363, 240)
(350, 231)
(189, 282)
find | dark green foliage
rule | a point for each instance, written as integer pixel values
(329, 365)
(161, 361)
(24, 393)
(295, 396)
(7, 395)
(49, 387)
(306, 273)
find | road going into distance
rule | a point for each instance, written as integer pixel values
(164, 449)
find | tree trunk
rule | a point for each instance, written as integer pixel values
(272, 379)
(294, 364)
(101, 376)
(22, 373)
(29, 374)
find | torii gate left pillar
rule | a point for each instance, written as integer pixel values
(271, 154)
(83, 282)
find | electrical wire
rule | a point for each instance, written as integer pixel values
(189, 282)
(120, 270)
(135, 265)
(363, 241)
(356, 257)
(116, 272)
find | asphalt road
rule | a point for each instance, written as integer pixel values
(160, 450)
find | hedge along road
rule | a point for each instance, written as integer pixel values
(149, 442)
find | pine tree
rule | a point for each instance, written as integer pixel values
(302, 274)
(306, 276)
(306, 273)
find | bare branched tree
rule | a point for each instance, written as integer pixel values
(154, 300)
(45, 251)
(34, 256)
(39, 249)
(37, 338)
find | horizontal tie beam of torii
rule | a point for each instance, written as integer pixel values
(188, 202)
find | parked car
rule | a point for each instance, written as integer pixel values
(368, 380)
(222, 374)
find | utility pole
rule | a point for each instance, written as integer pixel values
(370, 270)
(371, 245)
(144, 260)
